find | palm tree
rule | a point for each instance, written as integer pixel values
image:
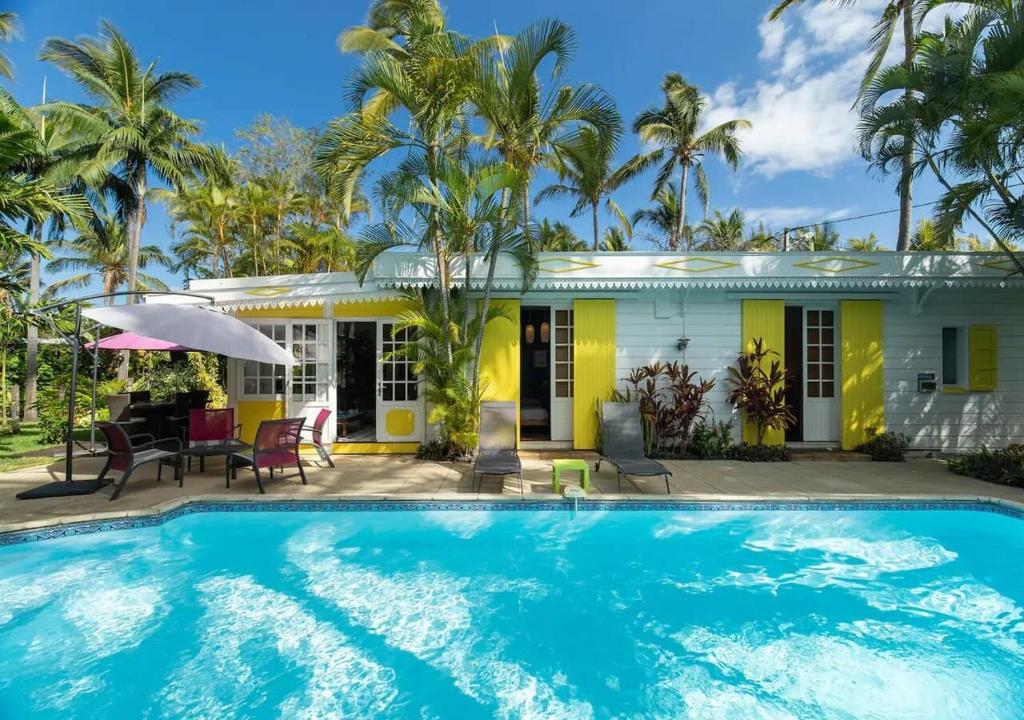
(9, 30)
(864, 244)
(909, 15)
(930, 237)
(130, 130)
(761, 239)
(102, 250)
(615, 240)
(958, 108)
(527, 126)
(410, 63)
(43, 160)
(722, 232)
(558, 237)
(585, 175)
(662, 218)
(675, 128)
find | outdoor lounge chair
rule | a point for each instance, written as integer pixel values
(623, 436)
(276, 445)
(316, 435)
(212, 429)
(125, 453)
(497, 454)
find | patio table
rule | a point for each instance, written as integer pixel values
(214, 449)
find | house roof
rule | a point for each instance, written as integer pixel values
(631, 271)
(640, 270)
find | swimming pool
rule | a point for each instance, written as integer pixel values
(652, 611)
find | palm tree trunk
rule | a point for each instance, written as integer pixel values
(440, 255)
(134, 241)
(135, 230)
(485, 303)
(681, 220)
(593, 212)
(4, 405)
(907, 171)
(32, 336)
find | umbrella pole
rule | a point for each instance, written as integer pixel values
(69, 441)
(95, 375)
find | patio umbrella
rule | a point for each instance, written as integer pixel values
(194, 327)
(132, 341)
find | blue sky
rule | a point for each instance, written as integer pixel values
(795, 81)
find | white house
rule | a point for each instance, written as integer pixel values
(927, 344)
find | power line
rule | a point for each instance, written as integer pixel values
(878, 213)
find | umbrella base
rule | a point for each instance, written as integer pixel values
(63, 489)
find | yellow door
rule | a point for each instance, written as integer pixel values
(594, 366)
(861, 370)
(765, 319)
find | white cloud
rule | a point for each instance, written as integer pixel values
(801, 105)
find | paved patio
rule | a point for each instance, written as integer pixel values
(403, 477)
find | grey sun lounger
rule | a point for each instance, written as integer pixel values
(497, 454)
(624, 444)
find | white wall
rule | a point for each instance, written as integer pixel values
(712, 323)
(913, 344)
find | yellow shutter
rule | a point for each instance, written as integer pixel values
(594, 366)
(250, 413)
(499, 357)
(861, 370)
(983, 361)
(765, 319)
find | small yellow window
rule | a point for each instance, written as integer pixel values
(983, 360)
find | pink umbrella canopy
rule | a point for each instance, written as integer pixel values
(133, 341)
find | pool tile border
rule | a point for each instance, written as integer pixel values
(193, 507)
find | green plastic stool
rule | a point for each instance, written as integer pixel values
(572, 465)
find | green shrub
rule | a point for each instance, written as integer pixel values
(1005, 466)
(711, 442)
(886, 446)
(758, 453)
(197, 372)
(438, 450)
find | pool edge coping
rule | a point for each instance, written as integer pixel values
(86, 524)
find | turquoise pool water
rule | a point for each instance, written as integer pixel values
(531, 614)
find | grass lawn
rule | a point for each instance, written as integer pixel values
(14, 447)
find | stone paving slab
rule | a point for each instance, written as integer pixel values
(405, 478)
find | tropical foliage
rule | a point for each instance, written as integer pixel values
(448, 143)
(681, 143)
(757, 388)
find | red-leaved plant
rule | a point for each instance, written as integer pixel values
(671, 399)
(757, 387)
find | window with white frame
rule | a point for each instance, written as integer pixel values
(954, 356)
(309, 374)
(564, 354)
(263, 379)
(398, 382)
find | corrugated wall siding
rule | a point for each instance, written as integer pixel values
(648, 328)
(913, 344)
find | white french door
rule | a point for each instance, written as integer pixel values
(308, 384)
(821, 375)
(400, 413)
(562, 372)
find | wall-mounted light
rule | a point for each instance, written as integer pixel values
(528, 333)
(545, 332)
(682, 343)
